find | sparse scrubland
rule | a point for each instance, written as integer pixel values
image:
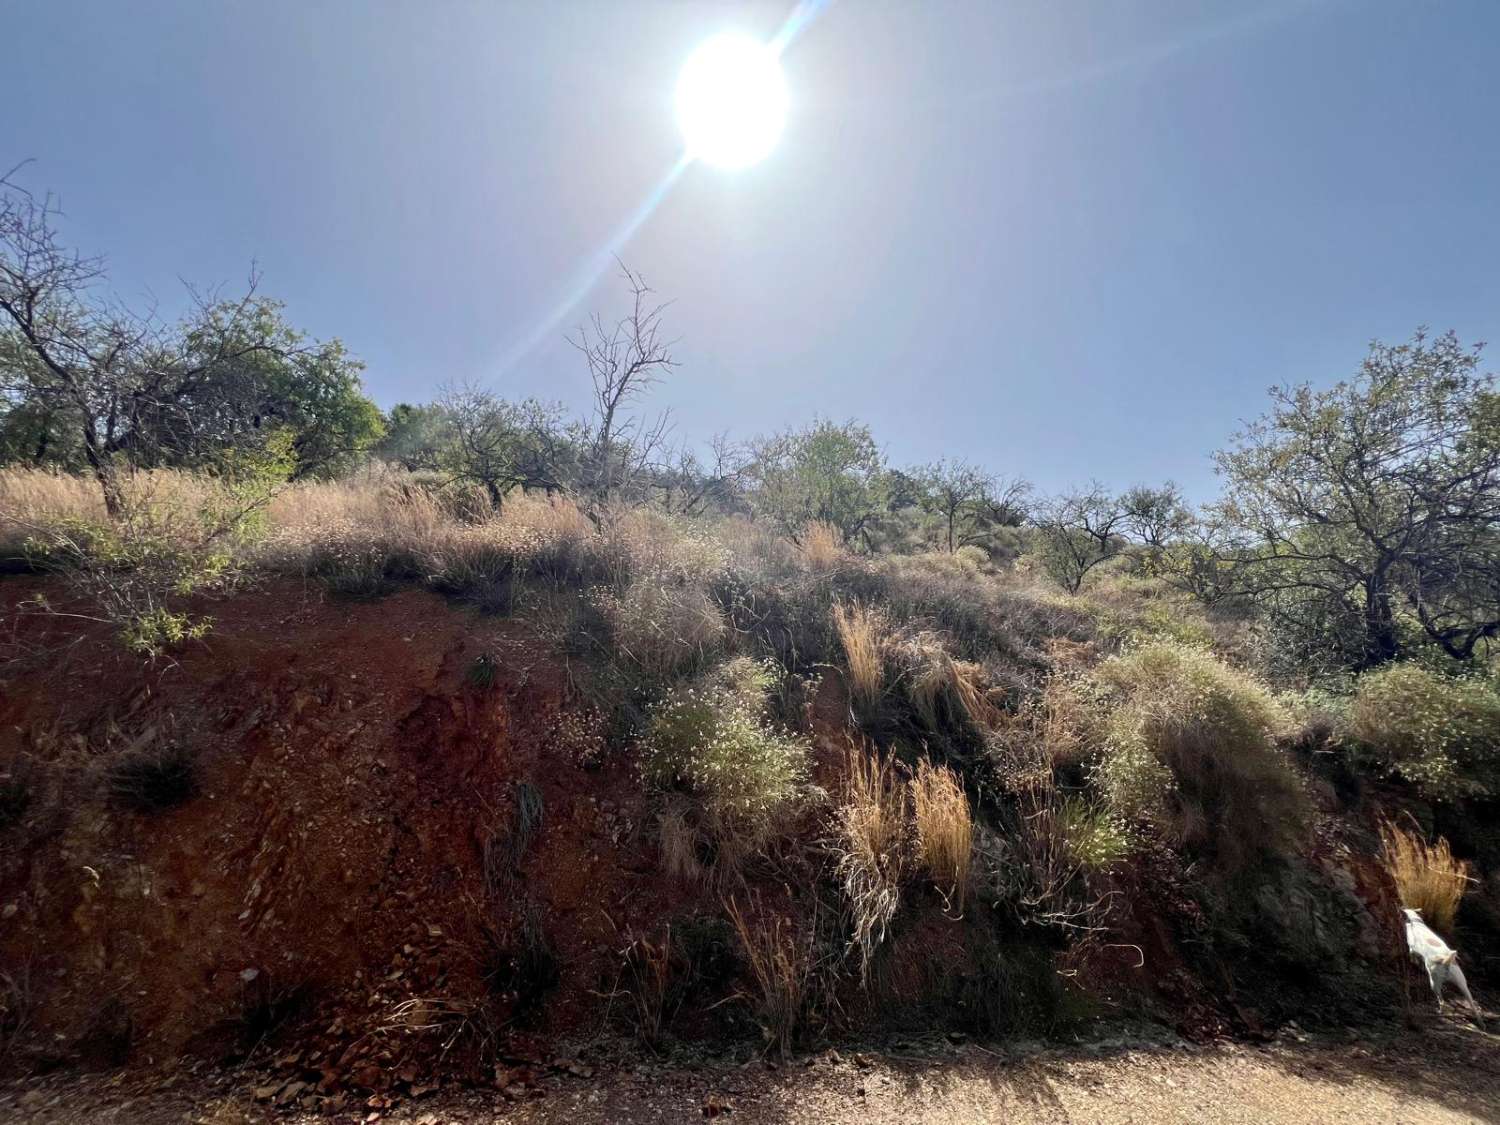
(832, 748)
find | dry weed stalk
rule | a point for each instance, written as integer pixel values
(782, 964)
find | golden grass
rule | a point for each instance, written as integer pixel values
(862, 631)
(871, 824)
(945, 830)
(37, 495)
(822, 546)
(32, 501)
(939, 683)
(1428, 877)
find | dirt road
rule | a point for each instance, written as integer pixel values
(1449, 1073)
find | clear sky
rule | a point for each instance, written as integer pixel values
(1064, 239)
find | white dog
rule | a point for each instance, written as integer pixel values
(1440, 961)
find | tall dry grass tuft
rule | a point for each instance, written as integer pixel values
(35, 502)
(944, 690)
(871, 824)
(782, 963)
(863, 633)
(822, 547)
(353, 533)
(1428, 877)
(945, 830)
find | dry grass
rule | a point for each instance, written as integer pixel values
(871, 846)
(33, 501)
(782, 963)
(1428, 877)
(945, 830)
(822, 547)
(678, 844)
(944, 690)
(661, 628)
(863, 632)
(648, 965)
(34, 498)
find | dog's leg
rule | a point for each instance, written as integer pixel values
(1437, 973)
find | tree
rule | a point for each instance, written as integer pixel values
(970, 502)
(624, 361)
(951, 491)
(128, 389)
(1377, 499)
(1076, 532)
(1155, 517)
(691, 485)
(416, 436)
(502, 445)
(825, 472)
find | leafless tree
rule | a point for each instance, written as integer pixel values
(1078, 531)
(625, 361)
(691, 485)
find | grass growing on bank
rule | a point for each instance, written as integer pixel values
(1427, 876)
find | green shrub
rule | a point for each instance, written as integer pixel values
(1441, 735)
(712, 738)
(1189, 744)
(1096, 839)
(481, 672)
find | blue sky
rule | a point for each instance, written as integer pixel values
(1067, 240)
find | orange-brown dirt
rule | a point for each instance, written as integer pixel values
(334, 856)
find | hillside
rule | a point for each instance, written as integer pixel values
(524, 789)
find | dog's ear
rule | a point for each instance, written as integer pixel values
(1452, 956)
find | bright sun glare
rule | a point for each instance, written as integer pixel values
(731, 101)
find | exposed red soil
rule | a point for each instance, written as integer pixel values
(350, 778)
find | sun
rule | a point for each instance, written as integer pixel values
(731, 101)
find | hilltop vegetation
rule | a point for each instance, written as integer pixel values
(866, 711)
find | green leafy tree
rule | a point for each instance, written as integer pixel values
(1374, 502)
(127, 389)
(416, 437)
(501, 445)
(825, 472)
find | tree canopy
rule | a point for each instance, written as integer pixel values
(1376, 501)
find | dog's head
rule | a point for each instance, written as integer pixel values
(1412, 915)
